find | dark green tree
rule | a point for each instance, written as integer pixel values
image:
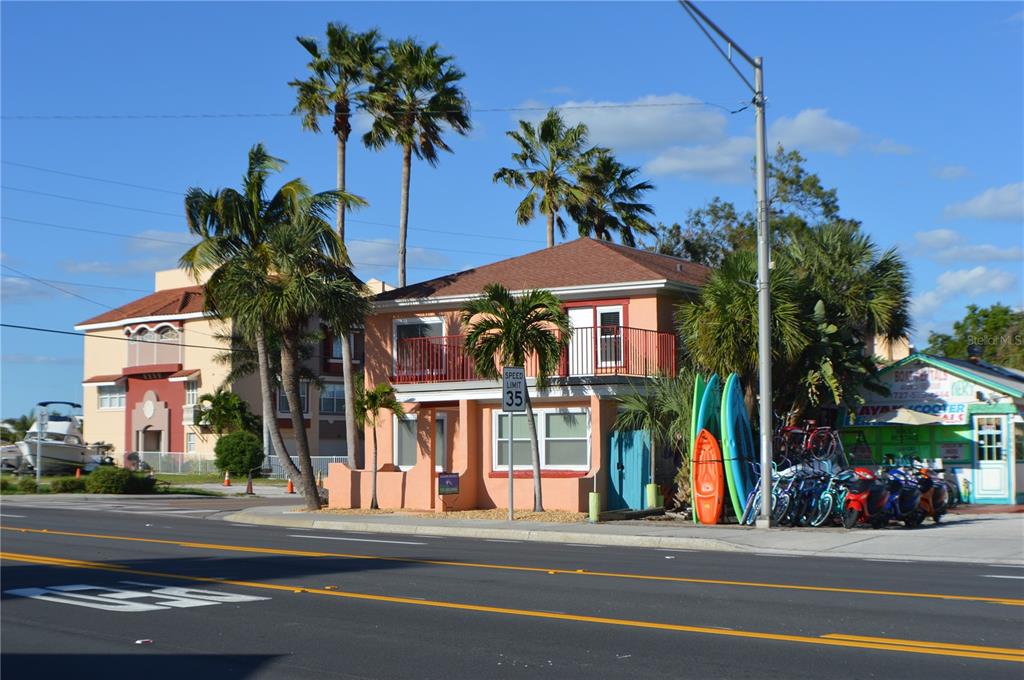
(997, 330)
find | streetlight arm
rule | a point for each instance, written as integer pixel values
(691, 9)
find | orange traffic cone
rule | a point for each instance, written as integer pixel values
(291, 487)
(78, 473)
(227, 478)
(248, 487)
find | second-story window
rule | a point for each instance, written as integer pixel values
(191, 393)
(111, 396)
(282, 400)
(332, 398)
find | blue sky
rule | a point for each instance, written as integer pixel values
(912, 110)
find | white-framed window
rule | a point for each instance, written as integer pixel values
(405, 441)
(609, 335)
(355, 343)
(111, 396)
(990, 437)
(412, 351)
(190, 442)
(282, 400)
(563, 437)
(332, 398)
(441, 442)
(191, 393)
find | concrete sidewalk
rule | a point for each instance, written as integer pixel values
(982, 538)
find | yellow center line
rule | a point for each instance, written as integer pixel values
(536, 570)
(831, 640)
(918, 643)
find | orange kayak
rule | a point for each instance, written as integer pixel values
(708, 478)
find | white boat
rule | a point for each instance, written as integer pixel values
(10, 457)
(61, 443)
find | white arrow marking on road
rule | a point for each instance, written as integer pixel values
(361, 540)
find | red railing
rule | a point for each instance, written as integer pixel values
(603, 350)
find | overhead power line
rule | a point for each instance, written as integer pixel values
(81, 284)
(278, 114)
(90, 177)
(56, 331)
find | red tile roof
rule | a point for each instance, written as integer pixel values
(168, 302)
(582, 262)
(103, 378)
(184, 373)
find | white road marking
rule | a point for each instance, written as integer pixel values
(674, 550)
(127, 601)
(4, 514)
(584, 545)
(1005, 566)
(361, 540)
(870, 559)
(773, 555)
(1002, 576)
(500, 540)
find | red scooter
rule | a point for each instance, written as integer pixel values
(934, 494)
(866, 498)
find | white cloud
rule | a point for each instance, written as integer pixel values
(959, 282)
(950, 172)
(726, 161)
(1005, 203)
(132, 265)
(381, 256)
(814, 130)
(946, 245)
(39, 359)
(891, 147)
(650, 122)
(17, 290)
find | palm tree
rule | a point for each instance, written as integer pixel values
(503, 329)
(339, 80)
(227, 412)
(611, 201)
(663, 410)
(413, 99)
(548, 155)
(246, 239)
(719, 329)
(369, 404)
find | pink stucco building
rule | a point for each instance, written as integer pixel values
(620, 302)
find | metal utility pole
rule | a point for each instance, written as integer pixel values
(764, 345)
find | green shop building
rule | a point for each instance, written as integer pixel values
(968, 414)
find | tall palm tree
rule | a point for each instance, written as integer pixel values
(549, 154)
(413, 99)
(369, 404)
(611, 201)
(503, 329)
(340, 77)
(245, 240)
(341, 71)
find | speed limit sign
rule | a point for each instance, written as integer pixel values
(513, 389)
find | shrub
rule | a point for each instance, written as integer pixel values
(6, 484)
(118, 480)
(67, 485)
(27, 485)
(239, 452)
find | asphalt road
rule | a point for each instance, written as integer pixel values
(153, 592)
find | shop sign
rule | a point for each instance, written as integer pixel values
(920, 387)
(953, 452)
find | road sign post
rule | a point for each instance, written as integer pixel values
(513, 400)
(42, 421)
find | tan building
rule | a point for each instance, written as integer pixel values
(147, 363)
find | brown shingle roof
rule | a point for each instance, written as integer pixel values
(168, 302)
(582, 262)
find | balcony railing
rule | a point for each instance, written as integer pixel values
(152, 352)
(593, 351)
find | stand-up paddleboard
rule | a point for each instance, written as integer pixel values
(737, 444)
(698, 394)
(709, 479)
(708, 414)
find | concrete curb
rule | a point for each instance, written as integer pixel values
(550, 536)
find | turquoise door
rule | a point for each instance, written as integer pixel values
(628, 469)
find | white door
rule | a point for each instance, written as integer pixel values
(992, 475)
(582, 345)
